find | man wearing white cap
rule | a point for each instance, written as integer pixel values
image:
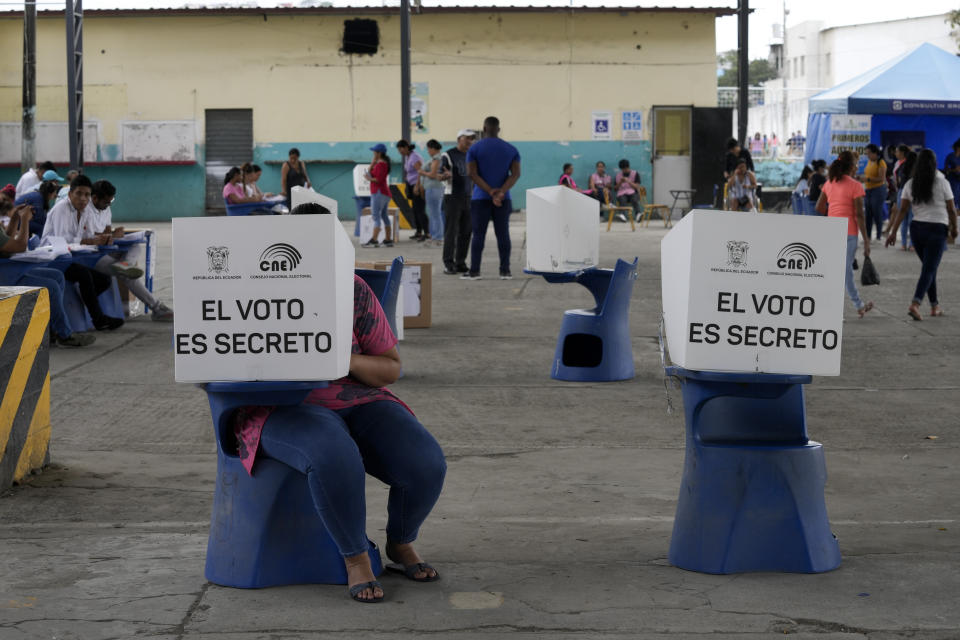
(456, 204)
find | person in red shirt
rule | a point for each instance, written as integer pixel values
(352, 427)
(379, 195)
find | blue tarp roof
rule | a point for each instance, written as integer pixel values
(923, 81)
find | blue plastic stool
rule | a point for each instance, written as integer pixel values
(751, 497)
(77, 314)
(264, 529)
(386, 286)
(594, 344)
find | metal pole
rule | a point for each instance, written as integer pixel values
(28, 149)
(743, 74)
(74, 17)
(405, 68)
(786, 95)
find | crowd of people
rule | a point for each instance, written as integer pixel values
(622, 189)
(44, 208)
(761, 145)
(452, 196)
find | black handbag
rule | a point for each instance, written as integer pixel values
(868, 274)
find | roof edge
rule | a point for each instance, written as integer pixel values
(258, 11)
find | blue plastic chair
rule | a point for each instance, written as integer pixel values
(386, 286)
(751, 498)
(264, 529)
(594, 344)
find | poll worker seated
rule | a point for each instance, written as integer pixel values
(251, 174)
(122, 264)
(351, 427)
(40, 200)
(741, 188)
(233, 191)
(65, 189)
(71, 220)
(13, 239)
(32, 178)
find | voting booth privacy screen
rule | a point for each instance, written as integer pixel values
(562, 230)
(262, 298)
(752, 292)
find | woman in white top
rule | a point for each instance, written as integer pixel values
(934, 219)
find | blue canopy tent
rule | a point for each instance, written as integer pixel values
(913, 99)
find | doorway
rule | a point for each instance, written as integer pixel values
(671, 152)
(229, 143)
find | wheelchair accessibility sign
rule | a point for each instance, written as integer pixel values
(601, 125)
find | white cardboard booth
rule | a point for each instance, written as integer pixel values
(753, 292)
(361, 185)
(301, 195)
(262, 298)
(562, 230)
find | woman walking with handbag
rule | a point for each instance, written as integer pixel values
(844, 195)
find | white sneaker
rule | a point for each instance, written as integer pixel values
(162, 313)
(125, 269)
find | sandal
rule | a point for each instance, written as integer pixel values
(914, 312)
(357, 588)
(936, 312)
(865, 309)
(411, 570)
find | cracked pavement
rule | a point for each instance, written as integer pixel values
(558, 507)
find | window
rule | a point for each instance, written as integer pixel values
(360, 36)
(803, 65)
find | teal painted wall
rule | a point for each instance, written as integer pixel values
(165, 192)
(330, 165)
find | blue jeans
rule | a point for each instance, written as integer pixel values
(873, 210)
(378, 210)
(51, 280)
(335, 448)
(851, 282)
(798, 204)
(481, 211)
(434, 198)
(929, 241)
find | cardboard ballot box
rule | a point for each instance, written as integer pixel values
(366, 226)
(262, 298)
(563, 233)
(750, 292)
(416, 290)
(361, 185)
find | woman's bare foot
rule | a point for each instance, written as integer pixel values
(406, 555)
(914, 312)
(936, 311)
(865, 309)
(359, 571)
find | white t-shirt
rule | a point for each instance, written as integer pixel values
(63, 193)
(101, 218)
(27, 181)
(62, 223)
(936, 209)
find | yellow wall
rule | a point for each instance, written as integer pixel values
(542, 73)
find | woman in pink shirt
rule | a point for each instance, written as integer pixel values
(844, 195)
(233, 192)
(353, 427)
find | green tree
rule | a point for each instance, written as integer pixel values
(953, 19)
(728, 70)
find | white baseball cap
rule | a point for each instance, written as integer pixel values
(470, 133)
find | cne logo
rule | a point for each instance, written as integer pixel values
(796, 255)
(280, 257)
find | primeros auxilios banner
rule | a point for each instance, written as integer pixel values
(750, 292)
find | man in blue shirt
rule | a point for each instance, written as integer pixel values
(494, 166)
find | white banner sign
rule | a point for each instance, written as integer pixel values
(753, 292)
(602, 124)
(262, 298)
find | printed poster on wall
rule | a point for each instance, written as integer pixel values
(602, 122)
(849, 133)
(631, 126)
(419, 107)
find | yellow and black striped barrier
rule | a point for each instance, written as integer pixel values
(24, 382)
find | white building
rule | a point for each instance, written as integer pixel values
(815, 59)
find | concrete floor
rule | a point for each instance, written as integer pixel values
(557, 511)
